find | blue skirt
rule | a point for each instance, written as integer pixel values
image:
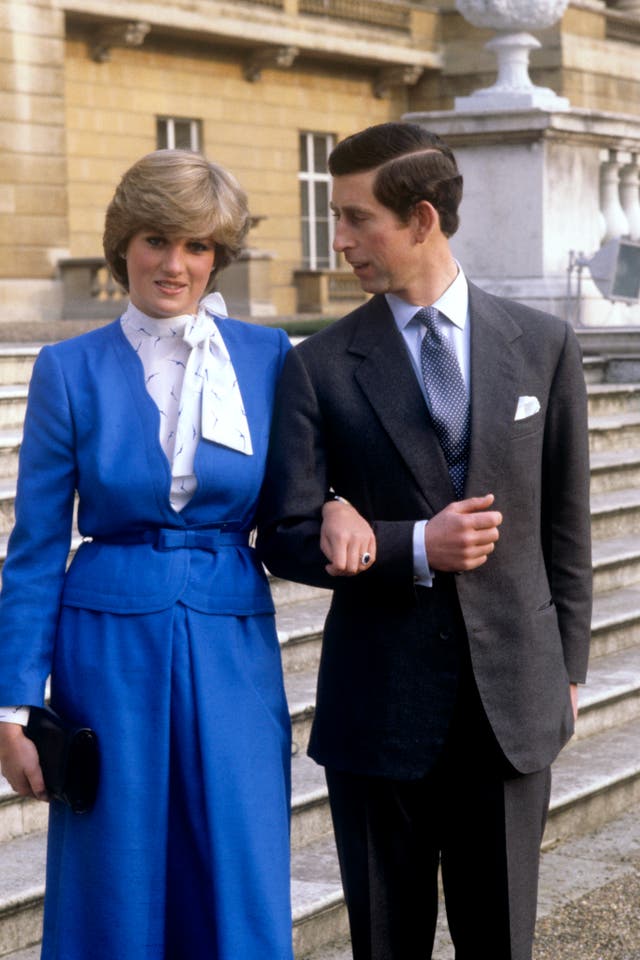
(186, 852)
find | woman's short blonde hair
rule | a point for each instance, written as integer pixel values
(177, 193)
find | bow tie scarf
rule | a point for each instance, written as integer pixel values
(448, 401)
(210, 402)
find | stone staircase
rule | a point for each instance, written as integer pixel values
(595, 779)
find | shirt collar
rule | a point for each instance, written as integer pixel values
(169, 327)
(453, 303)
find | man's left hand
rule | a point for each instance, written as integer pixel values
(573, 691)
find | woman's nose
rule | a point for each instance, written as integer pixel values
(174, 258)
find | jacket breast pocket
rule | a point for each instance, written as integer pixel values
(527, 427)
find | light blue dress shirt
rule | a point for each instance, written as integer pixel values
(454, 324)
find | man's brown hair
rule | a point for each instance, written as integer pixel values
(412, 164)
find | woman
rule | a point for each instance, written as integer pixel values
(161, 634)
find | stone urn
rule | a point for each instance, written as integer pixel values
(512, 19)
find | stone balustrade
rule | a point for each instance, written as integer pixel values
(393, 14)
(89, 290)
(620, 195)
(327, 292)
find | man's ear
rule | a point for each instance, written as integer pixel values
(426, 220)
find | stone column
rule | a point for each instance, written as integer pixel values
(33, 195)
(614, 217)
(630, 196)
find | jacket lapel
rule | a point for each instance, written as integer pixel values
(496, 364)
(387, 378)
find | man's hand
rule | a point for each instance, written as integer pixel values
(462, 536)
(345, 539)
(573, 692)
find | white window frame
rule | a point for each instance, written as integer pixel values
(194, 132)
(309, 177)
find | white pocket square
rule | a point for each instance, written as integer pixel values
(527, 406)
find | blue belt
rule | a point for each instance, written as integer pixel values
(169, 538)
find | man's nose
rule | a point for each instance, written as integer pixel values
(341, 239)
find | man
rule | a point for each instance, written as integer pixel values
(449, 666)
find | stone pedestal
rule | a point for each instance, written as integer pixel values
(246, 286)
(532, 194)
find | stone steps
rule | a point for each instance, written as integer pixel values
(21, 890)
(615, 469)
(614, 432)
(613, 398)
(611, 697)
(614, 687)
(595, 778)
(616, 562)
(10, 440)
(615, 624)
(16, 361)
(13, 404)
(615, 513)
(574, 874)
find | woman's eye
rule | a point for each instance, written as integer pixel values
(154, 241)
(199, 246)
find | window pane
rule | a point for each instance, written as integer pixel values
(161, 134)
(306, 244)
(304, 198)
(321, 191)
(322, 243)
(183, 134)
(320, 154)
(304, 164)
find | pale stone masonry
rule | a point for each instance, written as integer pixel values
(78, 105)
(34, 228)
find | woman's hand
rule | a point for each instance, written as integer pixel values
(19, 762)
(346, 539)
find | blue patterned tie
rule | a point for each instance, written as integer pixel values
(447, 395)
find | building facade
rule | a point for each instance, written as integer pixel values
(265, 87)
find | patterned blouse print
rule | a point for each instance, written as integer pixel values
(189, 376)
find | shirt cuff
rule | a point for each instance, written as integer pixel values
(422, 573)
(14, 715)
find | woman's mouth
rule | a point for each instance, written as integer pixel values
(167, 286)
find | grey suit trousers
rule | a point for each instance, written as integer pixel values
(473, 814)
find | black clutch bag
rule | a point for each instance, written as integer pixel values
(68, 756)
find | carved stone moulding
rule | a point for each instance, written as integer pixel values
(513, 89)
(512, 14)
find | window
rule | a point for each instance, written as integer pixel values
(178, 133)
(315, 186)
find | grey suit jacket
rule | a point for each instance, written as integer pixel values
(350, 416)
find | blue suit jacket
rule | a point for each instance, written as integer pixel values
(91, 427)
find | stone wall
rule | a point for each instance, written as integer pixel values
(33, 176)
(250, 127)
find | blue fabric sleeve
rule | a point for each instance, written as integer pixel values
(38, 548)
